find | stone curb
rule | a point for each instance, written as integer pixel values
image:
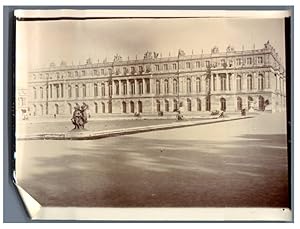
(86, 135)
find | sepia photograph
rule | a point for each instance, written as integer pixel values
(152, 110)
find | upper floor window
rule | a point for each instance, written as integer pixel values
(238, 61)
(166, 67)
(198, 64)
(157, 67)
(76, 73)
(249, 60)
(102, 71)
(188, 65)
(141, 69)
(95, 72)
(207, 63)
(259, 60)
(83, 73)
(174, 66)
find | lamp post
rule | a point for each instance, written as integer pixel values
(208, 77)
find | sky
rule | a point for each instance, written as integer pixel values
(38, 43)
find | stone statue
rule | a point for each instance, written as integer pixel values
(117, 58)
(181, 53)
(79, 118)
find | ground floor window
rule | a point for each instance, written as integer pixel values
(124, 107)
(207, 103)
(223, 104)
(239, 103)
(261, 103)
(131, 106)
(198, 104)
(140, 107)
(166, 105)
(189, 105)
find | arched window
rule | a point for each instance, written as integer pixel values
(76, 91)
(102, 89)
(261, 103)
(56, 109)
(238, 83)
(103, 107)
(140, 83)
(131, 106)
(117, 87)
(157, 87)
(84, 90)
(69, 91)
(57, 90)
(260, 82)
(140, 106)
(124, 107)
(96, 107)
(124, 87)
(166, 86)
(188, 85)
(175, 105)
(250, 102)
(167, 106)
(189, 105)
(41, 109)
(223, 104)
(239, 104)
(198, 85)
(175, 86)
(34, 110)
(34, 92)
(157, 105)
(41, 92)
(198, 104)
(249, 82)
(95, 89)
(207, 100)
(70, 108)
(132, 87)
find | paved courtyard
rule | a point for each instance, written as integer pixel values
(230, 164)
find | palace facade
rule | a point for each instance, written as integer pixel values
(230, 81)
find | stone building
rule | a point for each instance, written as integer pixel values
(230, 81)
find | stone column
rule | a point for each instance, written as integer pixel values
(144, 86)
(227, 82)
(136, 87)
(128, 86)
(218, 83)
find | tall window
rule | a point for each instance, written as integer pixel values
(214, 82)
(95, 89)
(76, 73)
(157, 105)
(229, 82)
(34, 92)
(259, 60)
(76, 91)
(124, 87)
(117, 87)
(70, 108)
(239, 103)
(223, 83)
(260, 82)
(102, 89)
(96, 107)
(198, 64)
(83, 72)
(175, 105)
(198, 85)
(189, 105)
(238, 61)
(166, 105)
(238, 83)
(132, 87)
(124, 107)
(166, 86)
(223, 104)
(57, 90)
(207, 63)
(140, 82)
(41, 93)
(102, 71)
(147, 82)
(69, 91)
(249, 60)
(188, 85)
(157, 67)
(175, 86)
(103, 107)
(188, 65)
(198, 104)
(56, 109)
(166, 67)
(62, 90)
(174, 66)
(84, 90)
(249, 82)
(157, 87)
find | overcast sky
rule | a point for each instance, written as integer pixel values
(41, 42)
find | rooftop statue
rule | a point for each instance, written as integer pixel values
(229, 48)
(89, 61)
(117, 58)
(181, 53)
(214, 50)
